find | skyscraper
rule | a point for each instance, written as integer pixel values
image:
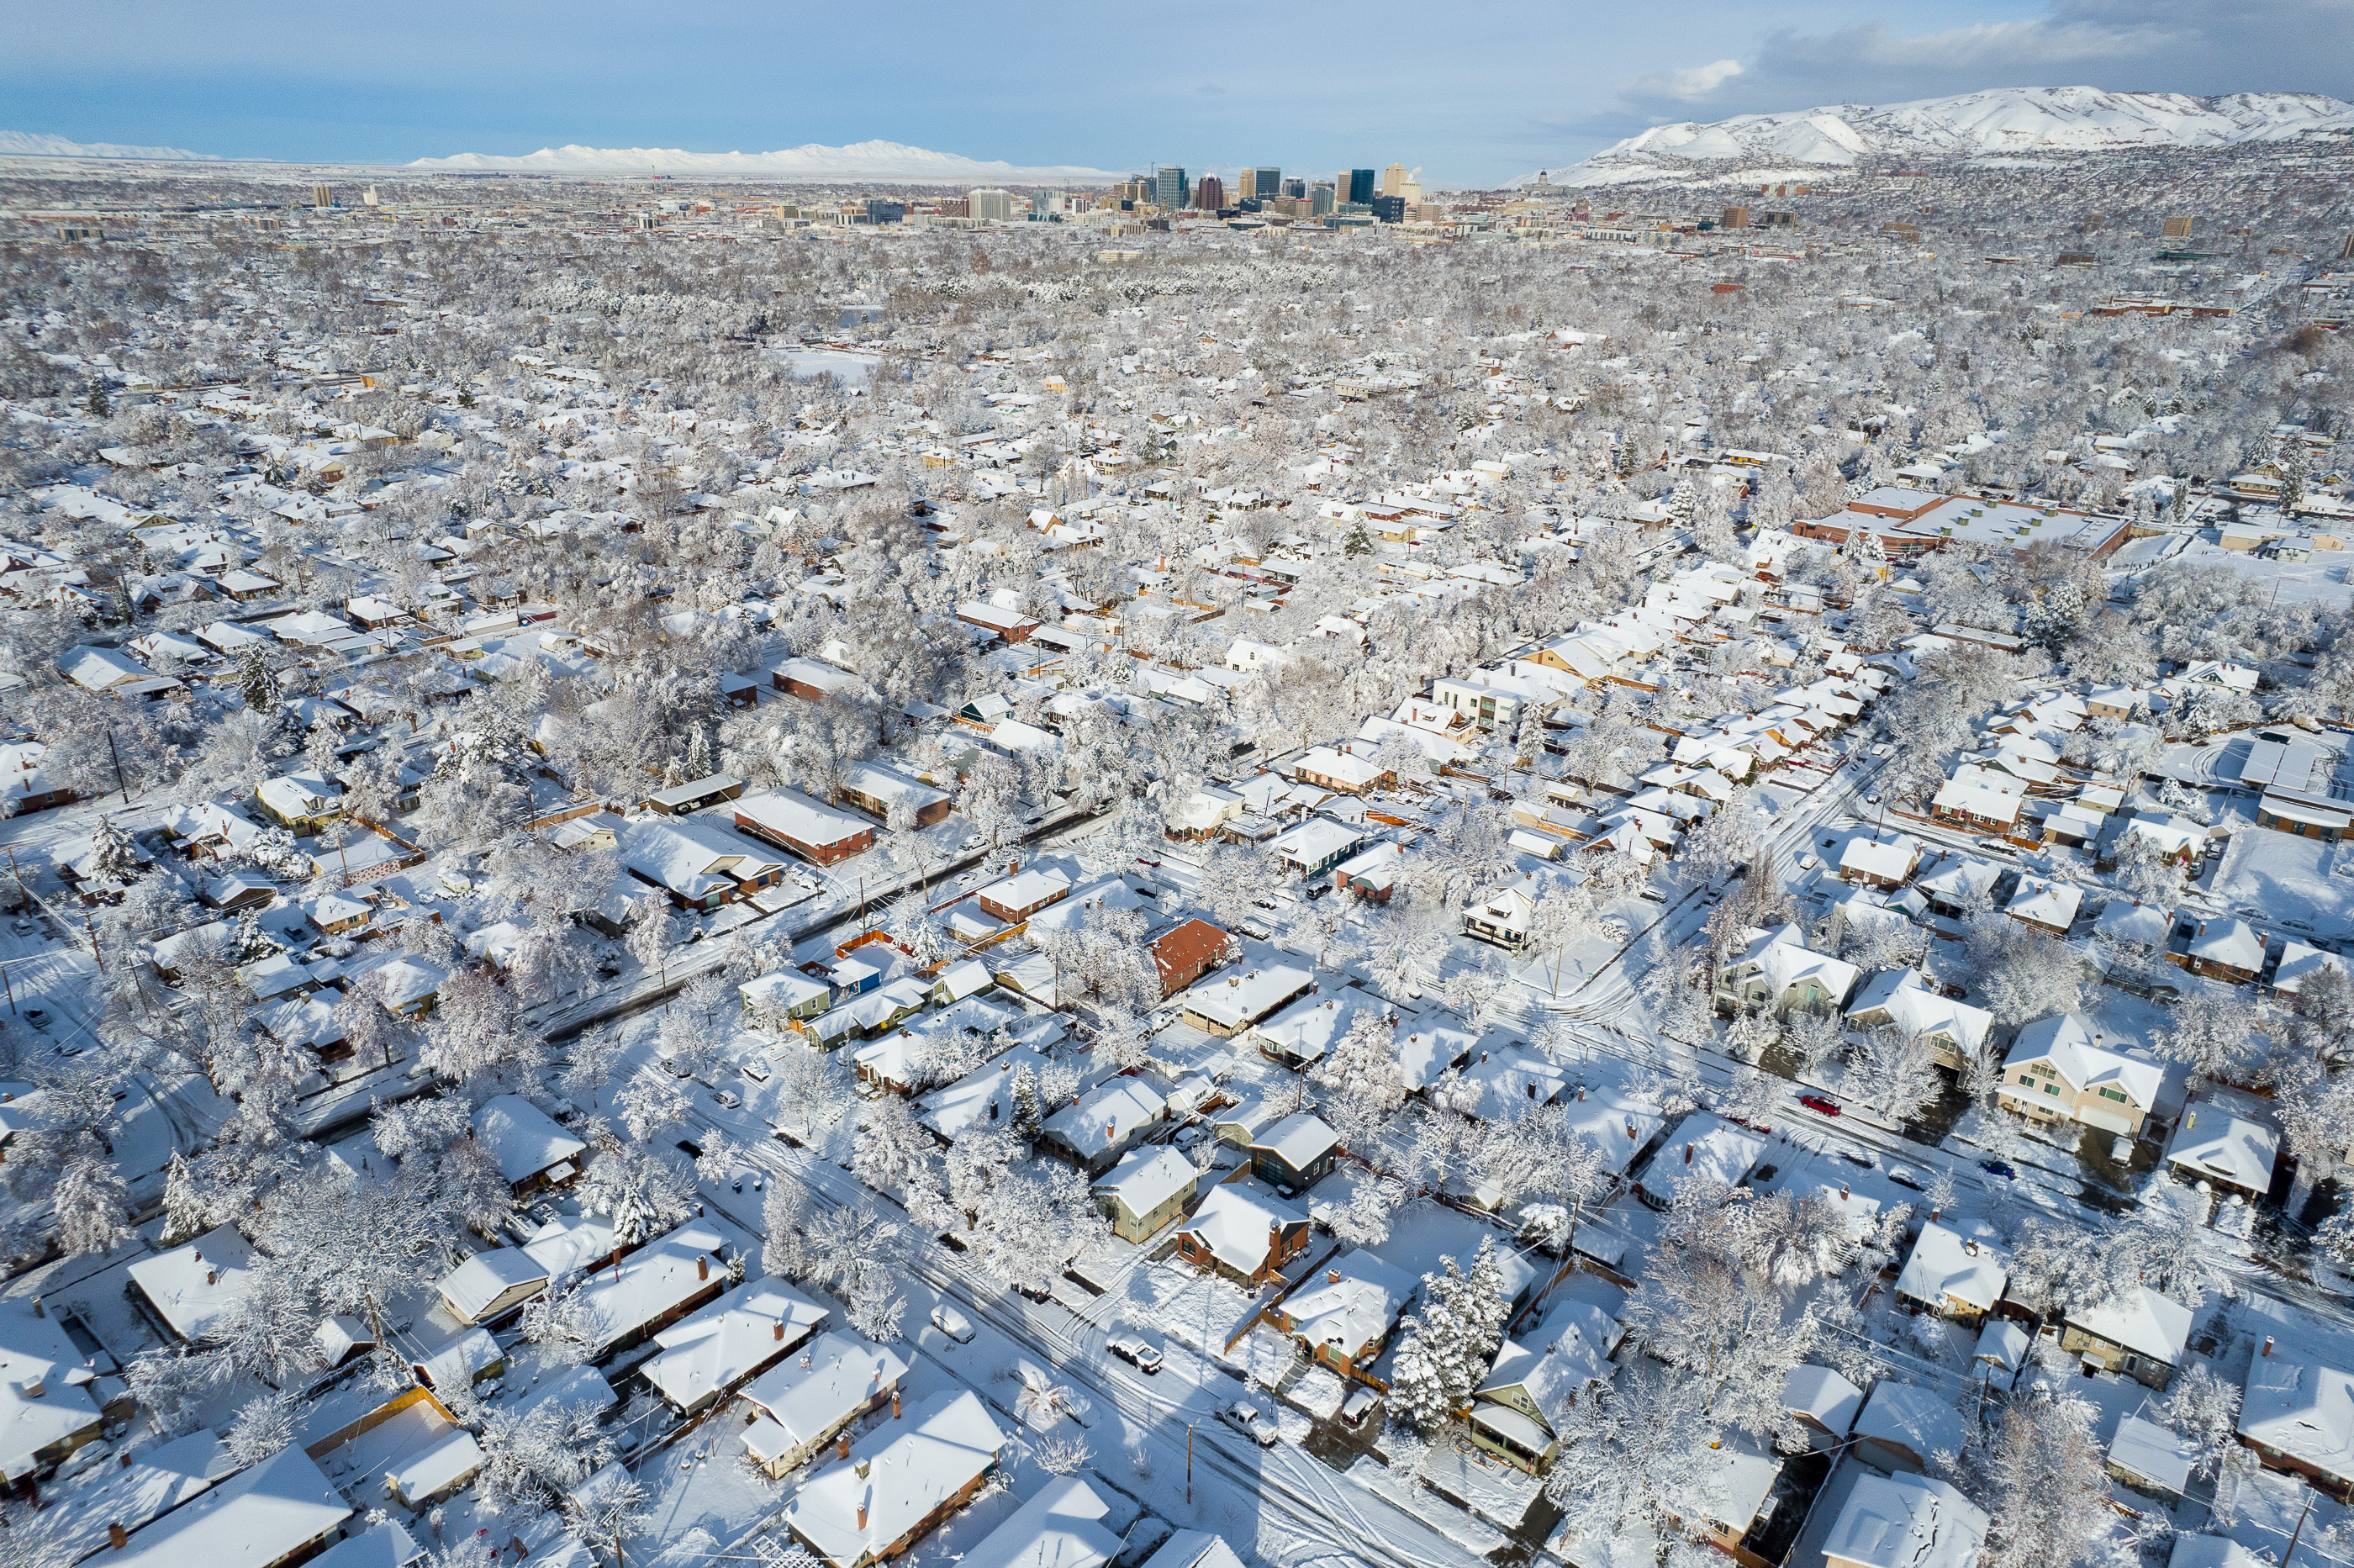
(1169, 188)
(1359, 184)
(1269, 183)
(1246, 184)
(1320, 199)
(1209, 192)
(1294, 187)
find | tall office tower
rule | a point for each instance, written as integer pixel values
(322, 197)
(1320, 200)
(1169, 188)
(1246, 184)
(1361, 186)
(1296, 189)
(1209, 192)
(1392, 178)
(1270, 183)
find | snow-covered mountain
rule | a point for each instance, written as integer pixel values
(32, 145)
(892, 161)
(2007, 120)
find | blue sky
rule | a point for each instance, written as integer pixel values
(1472, 93)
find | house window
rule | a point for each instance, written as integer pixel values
(2051, 1088)
(2116, 1095)
(2027, 1078)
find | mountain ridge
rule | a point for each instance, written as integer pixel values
(38, 145)
(870, 160)
(1992, 122)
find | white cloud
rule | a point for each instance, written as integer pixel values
(1694, 81)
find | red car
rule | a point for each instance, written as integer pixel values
(1818, 1103)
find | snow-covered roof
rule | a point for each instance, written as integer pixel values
(569, 1242)
(1298, 1140)
(810, 1394)
(250, 1520)
(655, 1279)
(1349, 1303)
(2155, 1454)
(34, 1353)
(470, 1289)
(2230, 942)
(2065, 1040)
(1106, 1116)
(192, 1286)
(1823, 1395)
(1235, 1224)
(898, 1475)
(1060, 1527)
(2227, 1149)
(1906, 1522)
(1147, 1178)
(1892, 860)
(1944, 1266)
(1706, 1149)
(720, 1345)
(2142, 1320)
(2302, 1409)
(1911, 1418)
(1231, 1000)
(523, 1139)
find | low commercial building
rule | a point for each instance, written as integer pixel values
(792, 821)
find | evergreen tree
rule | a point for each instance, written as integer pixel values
(97, 402)
(1029, 1113)
(254, 679)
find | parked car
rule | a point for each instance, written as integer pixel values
(1137, 1352)
(972, 841)
(1906, 1179)
(755, 1069)
(38, 1017)
(1251, 1422)
(1819, 1104)
(21, 927)
(1853, 1158)
(677, 1067)
(1998, 1167)
(1360, 1403)
(727, 1100)
(952, 1323)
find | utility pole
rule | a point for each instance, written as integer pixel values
(93, 944)
(1189, 1464)
(111, 751)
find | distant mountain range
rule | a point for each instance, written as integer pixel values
(29, 144)
(893, 161)
(1993, 123)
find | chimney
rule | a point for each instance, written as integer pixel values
(842, 1446)
(895, 1405)
(807, 1361)
(1933, 1216)
(1842, 1192)
(1970, 1248)
(702, 1265)
(212, 1277)
(2268, 1345)
(862, 1516)
(1688, 1148)
(781, 1332)
(116, 1536)
(126, 1459)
